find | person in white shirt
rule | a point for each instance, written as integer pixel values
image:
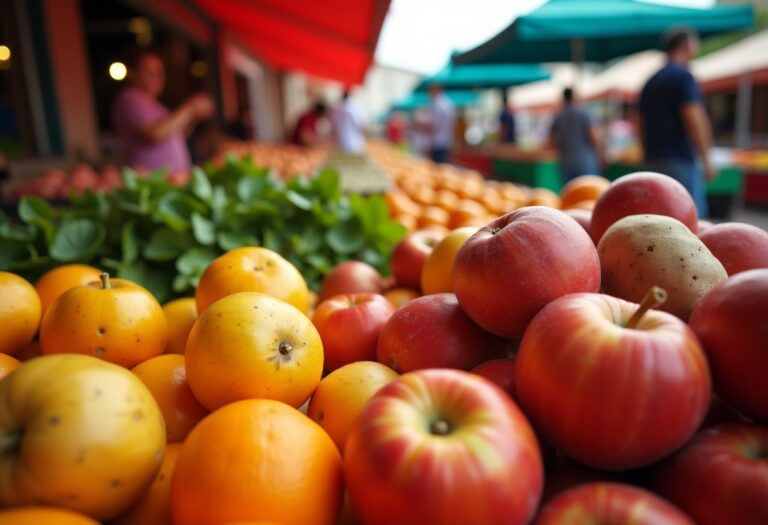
(442, 122)
(349, 122)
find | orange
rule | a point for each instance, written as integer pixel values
(19, 313)
(30, 350)
(154, 506)
(475, 222)
(257, 459)
(55, 282)
(437, 272)
(252, 269)
(181, 315)
(584, 188)
(434, 215)
(250, 345)
(43, 516)
(446, 200)
(401, 296)
(399, 203)
(342, 394)
(409, 221)
(423, 195)
(7, 364)
(544, 197)
(114, 319)
(466, 209)
(166, 378)
(581, 205)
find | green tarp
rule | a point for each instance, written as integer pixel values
(485, 76)
(419, 99)
(598, 30)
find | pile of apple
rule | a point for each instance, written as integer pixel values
(56, 184)
(636, 350)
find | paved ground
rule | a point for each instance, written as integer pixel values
(751, 215)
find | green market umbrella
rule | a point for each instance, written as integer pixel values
(418, 99)
(484, 76)
(598, 30)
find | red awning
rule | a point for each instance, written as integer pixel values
(334, 39)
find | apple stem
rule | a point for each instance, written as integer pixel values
(440, 428)
(656, 296)
(105, 284)
(11, 441)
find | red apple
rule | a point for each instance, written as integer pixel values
(511, 268)
(643, 193)
(500, 372)
(583, 217)
(610, 503)
(738, 246)
(611, 389)
(349, 326)
(731, 321)
(433, 332)
(409, 255)
(442, 447)
(351, 277)
(721, 476)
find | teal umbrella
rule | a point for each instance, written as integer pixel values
(420, 99)
(485, 76)
(598, 30)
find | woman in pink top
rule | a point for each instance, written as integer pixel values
(152, 136)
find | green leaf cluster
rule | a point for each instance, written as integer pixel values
(163, 236)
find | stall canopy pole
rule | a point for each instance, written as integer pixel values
(577, 57)
(744, 111)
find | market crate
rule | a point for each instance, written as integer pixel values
(536, 173)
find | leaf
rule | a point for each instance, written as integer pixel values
(251, 188)
(181, 283)
(78, 240)
(165, 244)
(298, 200)
(195, 260)
(34, 210)
(129, 242)
(130, 179)
(272, 240)
(346, 237)
(174, 209)
(219, 201)
(200, 185)
(155, 279)
(231, 240)
(12, 252)
(203, 230)
(327, 184)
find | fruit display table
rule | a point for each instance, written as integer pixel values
(534, 168)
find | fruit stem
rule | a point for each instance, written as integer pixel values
(105, 284)
(440, 428)
(655, 297)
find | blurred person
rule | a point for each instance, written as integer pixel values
(306, 131)
(507, 131)
(674, 126)
(460, 128)
(349, 123)
(575, 139)
(396, 125)
(441, 123)
(152, 136)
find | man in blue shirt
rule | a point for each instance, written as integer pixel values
(507, 121)
(674, 126)
(577, 143)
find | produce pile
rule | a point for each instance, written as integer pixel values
(536, 369)
(162, 235)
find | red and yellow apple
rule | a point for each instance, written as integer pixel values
(610, 503)
(410, 254)
(437, 273)
(500, 372)
(351, 277)
(583, 217)
(610, 385)
(731, 321)
(511, 268)
(433, 332)
(349, 326)
(721, 476)
(643, 193)
(738, 246)
(442, 446)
